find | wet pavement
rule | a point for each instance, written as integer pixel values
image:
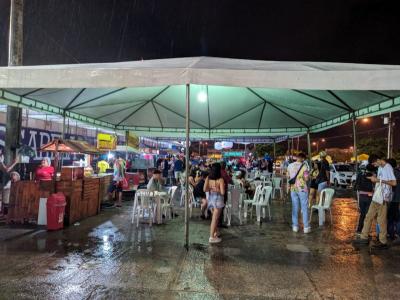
(106, 257)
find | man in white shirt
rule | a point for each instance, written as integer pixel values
(376, 210)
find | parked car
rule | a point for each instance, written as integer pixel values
(341, 174)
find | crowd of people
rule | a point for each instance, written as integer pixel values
(209, 181)
(378, 189)
(378, 193)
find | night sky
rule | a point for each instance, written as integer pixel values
(81, 31)
(71, 31)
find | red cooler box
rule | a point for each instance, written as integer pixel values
(55, 211)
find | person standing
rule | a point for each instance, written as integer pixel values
(165, 168)
(378, 211)
(45, 171)
(323, 177)
(298, 174)
(313, 183)
(198, 192)
(178, 169)
(227, 180)
(216, 187)
(365, 190)
(116, 184)
(393, 209)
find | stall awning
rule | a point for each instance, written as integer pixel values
(72, 146)
(229, 97)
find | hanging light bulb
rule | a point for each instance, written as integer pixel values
(202, 96)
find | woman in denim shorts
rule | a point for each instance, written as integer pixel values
(216, 187)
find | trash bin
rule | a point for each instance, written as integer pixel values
(55, 211)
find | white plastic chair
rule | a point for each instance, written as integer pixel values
(168, 202)
(325, 202)
(192, 200)
(277, 186)
(250, 202)
(257, 183)
(264, 202)
(183, 193)
(143, 203)
(232, 205)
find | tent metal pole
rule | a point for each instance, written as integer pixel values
(355, 142)
(187, 129)
(309, 145)
(274, 149)
(63, 127)
(390, 137)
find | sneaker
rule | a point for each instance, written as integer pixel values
(307, 230)
(295, 228)
(379, 246)
(214, 240)
(360, 241)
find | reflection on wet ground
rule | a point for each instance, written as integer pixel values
(107, 258)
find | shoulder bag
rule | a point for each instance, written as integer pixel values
(293, 180)
(378, 193)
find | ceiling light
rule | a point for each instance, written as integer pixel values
(202, 96)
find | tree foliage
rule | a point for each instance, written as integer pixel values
(372, 145)
(262, 149)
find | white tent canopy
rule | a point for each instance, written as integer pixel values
(228, 97)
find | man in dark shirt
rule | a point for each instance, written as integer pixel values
(178, 169)
(324, 175)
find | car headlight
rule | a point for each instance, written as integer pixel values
(342, 175)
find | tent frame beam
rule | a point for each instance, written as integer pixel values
(340, 100)
(96, 98)
(274, 106)
(178, 114)
(380, 94)
(31, 92)
(261, 116)
(158, 115)
(119, 110)
(237, 115)
(322, 100)
(147, 102)
(73, 99)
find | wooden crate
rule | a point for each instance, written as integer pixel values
(71, 173)
(105, 182)
(91, 188)
(46, 188)
(24, 202)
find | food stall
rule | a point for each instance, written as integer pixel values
(83, 190)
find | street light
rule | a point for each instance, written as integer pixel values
(365, 120)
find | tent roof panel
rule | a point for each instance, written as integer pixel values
(205, 71)
(243, 97)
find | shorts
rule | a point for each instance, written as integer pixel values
(215, 200)
(322, 185)
(178, 175)
(313, 184)
(115, 186)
